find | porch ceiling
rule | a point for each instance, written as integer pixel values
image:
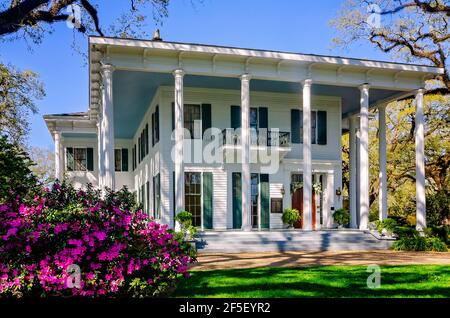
(133, 92)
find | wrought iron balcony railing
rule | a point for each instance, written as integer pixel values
(263, 137)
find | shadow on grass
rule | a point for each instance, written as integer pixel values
(325, 281)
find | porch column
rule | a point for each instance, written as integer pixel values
(101, 162)
(58, 152)
(179, 140)
(382, 197)
(421, 223)
(352, 163)
(364, 158)
(307, 169)
(107, 129)
(245, 151)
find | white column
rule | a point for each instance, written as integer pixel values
(245, 151)
(307, 169)
(364, 158)
(58, 163)
(179, 140)
(328, 214)
(352, 169)
(107, 129)
(100, 165)
(420, 164)
(382, 196)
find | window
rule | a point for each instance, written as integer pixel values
(313, 126)
(192, 120)
(193, 196)
(121, 159)
(156, 197)
(79, 159)
(276, 205)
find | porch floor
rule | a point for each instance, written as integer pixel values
(288, 240)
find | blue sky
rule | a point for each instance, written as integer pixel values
(286, 25)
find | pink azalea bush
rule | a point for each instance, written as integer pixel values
(119, 251)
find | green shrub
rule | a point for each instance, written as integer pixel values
(290, 216)
(387, 224)
(412, 240)
(341, 216)
(438, 207)
(442, 232)
(435, 244)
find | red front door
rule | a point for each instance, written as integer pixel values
(297, 203)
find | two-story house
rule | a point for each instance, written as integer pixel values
(234, 135)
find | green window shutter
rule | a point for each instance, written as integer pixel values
(207, 200)
(153, 129)
(124, 159)
(173, 116)
(90, 159)
(235, 117)
(70, 164)
(173, 197)
(146, 139)
(237, 200)
(265, 201)
(263, 117)
(206, 117)
(157, 124)
(147, 191)
(295, 126)
(321, 127)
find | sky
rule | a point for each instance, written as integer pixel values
(285, 25)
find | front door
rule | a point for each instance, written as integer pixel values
(297, 201)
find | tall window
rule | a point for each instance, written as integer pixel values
(192, 120)
(156, 197)
(193, 196)
(313, 127)
(121, 159)
(155, 126)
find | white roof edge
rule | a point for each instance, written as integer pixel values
(208, 49)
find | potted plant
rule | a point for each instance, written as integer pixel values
(187, 230)
(290, 217)
(341, 217)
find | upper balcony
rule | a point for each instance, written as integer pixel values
(260, 139)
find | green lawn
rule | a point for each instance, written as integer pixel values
(324, 281)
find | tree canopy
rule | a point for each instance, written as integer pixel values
(413, 30)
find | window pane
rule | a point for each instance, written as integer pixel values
(80, 159)
(191, 115)
(313, 127)
(117, 159)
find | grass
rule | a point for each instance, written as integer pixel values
(323, 281)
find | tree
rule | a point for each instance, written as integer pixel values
(34, 18)
(19, 91)
(44, 167)
(16, 177)
(414, 30)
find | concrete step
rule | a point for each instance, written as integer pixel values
(270, 241)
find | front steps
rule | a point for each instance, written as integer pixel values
(288, 240)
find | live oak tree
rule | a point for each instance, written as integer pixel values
(33, 19)
(412, 31)
(19, 91)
